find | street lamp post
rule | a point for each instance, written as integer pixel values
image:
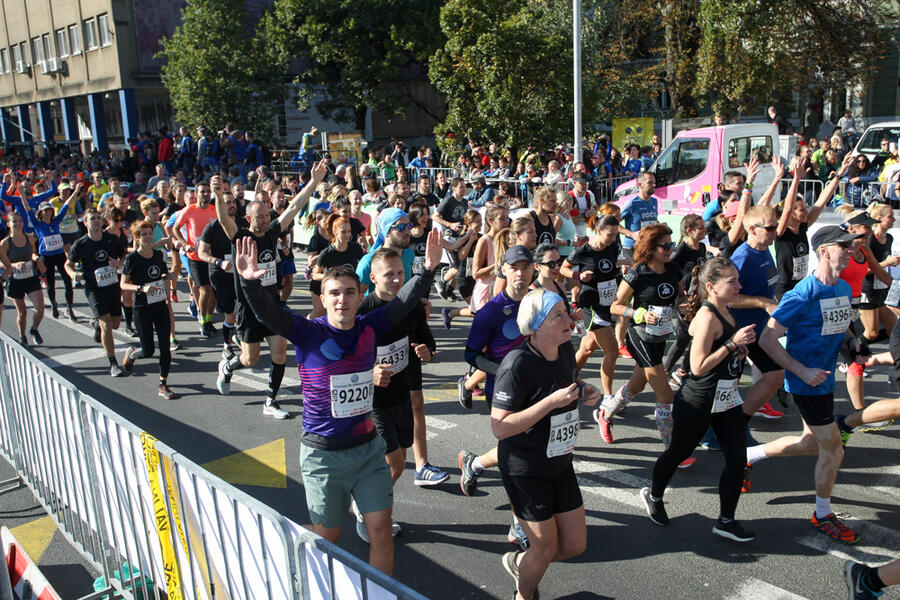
(576, 73)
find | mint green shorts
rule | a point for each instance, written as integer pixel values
(331, 477)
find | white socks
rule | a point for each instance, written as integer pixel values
(823, 507)
(756, 454)
(477, 466)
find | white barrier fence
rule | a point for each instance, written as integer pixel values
(155, 524)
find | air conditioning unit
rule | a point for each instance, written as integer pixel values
(45, 68)
(53, 65)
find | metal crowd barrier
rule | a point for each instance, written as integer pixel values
(153, 523)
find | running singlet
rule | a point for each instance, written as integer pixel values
(816, 317)
(494, 328)
(336, 374)
(417, 243)
(758, 276)
(524, 379)
(149, 272)
(853, 275)
(599, 290)
(872, 287)
(546, 234)
(69, 223)
(716, 390)
(687, 258)
(637, 214)
(657, 292)
(791, 258)
(94, 256)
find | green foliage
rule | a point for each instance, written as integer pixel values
(354, 52)
(218, 73)
(506, 70)
(750, 50)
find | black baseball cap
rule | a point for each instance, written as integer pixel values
(859, 217)
(832, 235)
(517, 253)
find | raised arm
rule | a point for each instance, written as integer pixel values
(778, 167)
(299, 201)
(264, 306)
(226, 220)
(791, 197)
(410, 294)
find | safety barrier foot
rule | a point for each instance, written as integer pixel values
(9, 485)
(109, 593)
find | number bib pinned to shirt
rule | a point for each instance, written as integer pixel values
(106, 276)
(836, 315)
(352, 394)
(726, 396)
(607, 292)
(801, 266)
(418, 266)
(155, 292)
(269, 277)
(26, 271)
(664, 324)
(52, 243)
(395, 354)
(563, 433)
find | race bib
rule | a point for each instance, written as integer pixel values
(106, 276)
(726, 395)
(607, 292)
(52, 243)
(269, 277)
(226, 257)
(664, 324)
(801, 266)
(24, 272)
(418, 266)
(836, 315)
(563, 433)
(893, 295)
(155, 292)
(352, 394)
(395, 354)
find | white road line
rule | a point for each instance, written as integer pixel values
(756, 589)
(610, 472)
(439, 423)
(876, 544)
(622, 495)
(589, 473)
(72, 358)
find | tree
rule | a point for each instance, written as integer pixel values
(749, 50)
(218, 73)
(506, 70)
(354, 52)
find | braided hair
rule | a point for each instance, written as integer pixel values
(710, 272)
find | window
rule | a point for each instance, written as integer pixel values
(17, 57)
(74, 40)
(90, 34)
(62, 43)
(37, 50)
(4, 60)
(871, 139)
(105, 33)
(741, 149)
(23, 48)
(48, 48)
(683, 159)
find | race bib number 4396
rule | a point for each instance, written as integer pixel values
(352, 394)
(836, 315)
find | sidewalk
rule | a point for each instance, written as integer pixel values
(65, 569)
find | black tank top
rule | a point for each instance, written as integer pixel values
(880, 252)
(700, 391)
(546, 234)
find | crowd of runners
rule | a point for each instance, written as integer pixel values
(743, 288)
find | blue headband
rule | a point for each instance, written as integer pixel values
(548, 301)
(385, 221)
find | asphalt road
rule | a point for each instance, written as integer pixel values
(451, 544)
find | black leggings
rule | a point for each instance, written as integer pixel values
(689, 423)
(146, 319)
(56, 262)
(679, 345)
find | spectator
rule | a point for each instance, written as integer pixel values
(847, 125)
(860, 174)
(165, 151)
(187, 151)
(784, 126)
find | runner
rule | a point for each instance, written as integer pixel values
(250, 330)
(815, 316)
(100, 253)
(317, 243)
(709, 394)
(51, 247)
(872, 311)
(689, 253)
(342, 456)
(214, 248)
(22, 263)
(866, 583)
(343, 251)
(639, 212)
(546, 220)
(493, 335)
(144, 273)
(194, 219)
(537, 394)
(596, 266)
(463, 248)
(655, 285)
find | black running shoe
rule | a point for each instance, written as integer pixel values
(655, 508)
(732, 531)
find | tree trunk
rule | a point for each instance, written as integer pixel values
(359, 113)
(681, 42)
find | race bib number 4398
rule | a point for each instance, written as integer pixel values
(836, 315)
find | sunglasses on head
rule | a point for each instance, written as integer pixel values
(552, 264)
(666, 246)
(401, 227)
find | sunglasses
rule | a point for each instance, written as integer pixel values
(552, 264)
(401, 227)
(666, 246)
(767, 227)
(843, 245)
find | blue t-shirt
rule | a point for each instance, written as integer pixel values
(758, 276)
(45, 230)
(364, 268)
(637, 213)
(801, 311)
(495, 330)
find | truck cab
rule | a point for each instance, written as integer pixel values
(690, 169)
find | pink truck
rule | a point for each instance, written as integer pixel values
(691, 167)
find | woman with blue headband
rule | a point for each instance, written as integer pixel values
(535, 418)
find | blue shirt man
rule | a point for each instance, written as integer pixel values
(641, 210)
